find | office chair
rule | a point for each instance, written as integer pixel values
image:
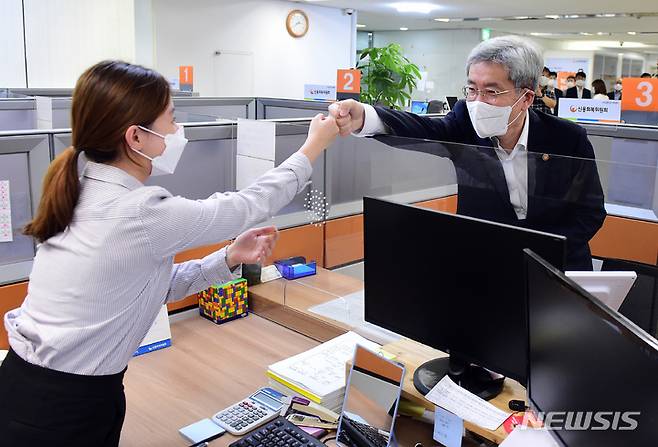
(640, 305)
(435, 106)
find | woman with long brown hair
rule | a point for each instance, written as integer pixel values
(105, 264)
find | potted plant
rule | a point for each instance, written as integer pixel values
(388, 77)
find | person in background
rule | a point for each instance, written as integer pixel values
(571, 82)
(579, 91)
(552, 86)
(616, 93)
(544, 100)
(645, 75)
(105, 261)
(600, 91)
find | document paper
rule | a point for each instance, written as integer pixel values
(448, 428)
(446, 394)
(321, 370)
(6, 234)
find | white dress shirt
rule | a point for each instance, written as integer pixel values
(515, 164)
(96, 288)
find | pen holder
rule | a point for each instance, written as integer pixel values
(226, 302)
(295, 271)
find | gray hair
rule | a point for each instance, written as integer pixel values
(522, 59)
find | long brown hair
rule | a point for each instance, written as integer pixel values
(108, 98)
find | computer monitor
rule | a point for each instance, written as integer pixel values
(419, 107)
(592, 372)
(609, 287)
(371, 401)
(452, 100)
(454, 283)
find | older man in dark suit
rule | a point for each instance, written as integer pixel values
(521, 167)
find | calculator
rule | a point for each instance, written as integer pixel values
(254, 411)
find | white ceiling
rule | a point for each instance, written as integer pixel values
(379, 15)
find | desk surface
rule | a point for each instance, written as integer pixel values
(207, 368)
(287, 303)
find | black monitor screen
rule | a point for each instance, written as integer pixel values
(452, 282)
(590, 368)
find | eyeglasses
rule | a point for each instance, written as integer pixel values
(470, 93)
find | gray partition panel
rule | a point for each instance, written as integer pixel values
(18, 114)
(272, 108)
(208, 109)
(23, 161)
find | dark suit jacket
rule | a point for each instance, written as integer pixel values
(573, 93)
(611, 95)
(564, 193)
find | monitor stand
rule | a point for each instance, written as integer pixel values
(474, 378)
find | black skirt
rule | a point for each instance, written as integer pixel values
(41, 406)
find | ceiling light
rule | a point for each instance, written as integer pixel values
(442, 19)
(359, 25)
(490, 18)
(571, 16)
(552, 16)
(606, 15)
(521, 17)
(632, 33)
(404, 29)
(601, 33)
(417, 7)
(541, 34)
(586, 34)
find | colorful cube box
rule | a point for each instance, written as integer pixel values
(226, 302)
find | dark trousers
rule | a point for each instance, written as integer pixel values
(40, 406)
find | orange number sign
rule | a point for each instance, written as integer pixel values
(349, 81)
(186, 75)
(639, 94)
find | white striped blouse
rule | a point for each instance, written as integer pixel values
(96, 288)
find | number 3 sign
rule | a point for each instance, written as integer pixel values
(348, 84)
(640, 94)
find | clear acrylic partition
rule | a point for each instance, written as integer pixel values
(563, 193)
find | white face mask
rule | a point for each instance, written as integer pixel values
(491, 121)
(580, 82)
(571, 84)
(618, 87)
(543, 81)
(166, 162)
(551, 83)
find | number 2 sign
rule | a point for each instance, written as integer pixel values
(348, 84)
(640, 94)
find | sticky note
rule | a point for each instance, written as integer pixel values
(448, 428)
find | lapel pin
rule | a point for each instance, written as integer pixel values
(545, 157)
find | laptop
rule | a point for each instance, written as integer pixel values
(371, 401)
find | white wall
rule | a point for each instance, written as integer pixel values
(64, 37)
(441, 53)
(12, 61)
(190, 33)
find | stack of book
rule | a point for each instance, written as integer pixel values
(319, 373)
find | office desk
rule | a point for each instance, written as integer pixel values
(207, 368)
(288, 303)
